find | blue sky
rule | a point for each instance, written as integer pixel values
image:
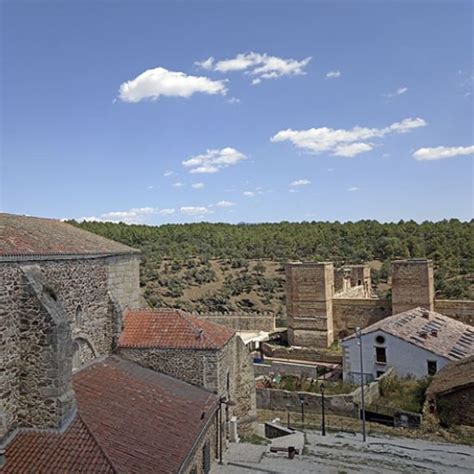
(106, 112)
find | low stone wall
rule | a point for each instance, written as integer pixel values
(242, 321)
(284, 368)
(342, 404)
(462, 310)
(301, 353)
(350, 313)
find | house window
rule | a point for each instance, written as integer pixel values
(380, 373)
(432, 367)
(206, 458)
(380, 340)
(380, 355)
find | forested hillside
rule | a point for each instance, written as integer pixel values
(225, 267)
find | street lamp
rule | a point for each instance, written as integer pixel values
(288, 406)
(227, 403)
(359, 336)
(323, 420)
(302, 408)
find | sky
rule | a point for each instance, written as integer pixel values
(265, 111)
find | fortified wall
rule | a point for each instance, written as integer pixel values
(320, 308)
(242, 321)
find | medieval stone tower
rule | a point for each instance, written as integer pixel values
(310, 289)
(412, 284)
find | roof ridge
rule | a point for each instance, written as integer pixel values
(198, 330)
(96, 442)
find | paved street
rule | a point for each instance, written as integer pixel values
(345, 453)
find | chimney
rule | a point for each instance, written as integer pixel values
(434, 333)
(425, 314)
(423, 335)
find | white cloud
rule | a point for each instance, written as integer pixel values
(178, 184)
(158, 82)
(233, 100)
(132, 216)
(249, 193)
(341, 142)
(195, 210)
(399, 91)
(197, 185)
(442, 152)
(225, 204)
(333, 74)
(214, 160)
(300, 182)
(353, 189)
(262, 66)
(168, 173)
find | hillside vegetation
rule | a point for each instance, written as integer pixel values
(224, 267)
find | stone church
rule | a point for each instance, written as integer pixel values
(63, 294)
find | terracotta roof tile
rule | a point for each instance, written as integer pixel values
(171, 329)
(130, 419)
(75, 450)
(33, 236)
(430, 330)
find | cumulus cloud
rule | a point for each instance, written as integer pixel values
(333, 74)
(178, 184)
(154, 83)
(249, 193)
(214, 160)
(300, 182)
(168, 173)
(225, 204)
(340, 142)
(442, 152)
(197, 185)
(195, 210)
(131, 216)
(233, 100)
(261, 66)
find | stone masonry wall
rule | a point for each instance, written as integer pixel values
(227, 372)
(309, 295)
(242, 321)
(123, 280)
(412, 285)
(462, 310)
(349, 314)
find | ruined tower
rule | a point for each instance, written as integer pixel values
(309, 293)
(412, 284)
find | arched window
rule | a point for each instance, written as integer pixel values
(78, 317)
(76, 356)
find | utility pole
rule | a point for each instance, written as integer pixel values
(302, 408)
(359, 335)
(323, 420)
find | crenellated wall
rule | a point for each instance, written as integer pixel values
(242, 321)
(462, 310)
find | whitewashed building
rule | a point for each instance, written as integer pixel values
(416, 342)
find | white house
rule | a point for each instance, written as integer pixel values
(416, 342)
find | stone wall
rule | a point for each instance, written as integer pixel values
(309, 295)
(462, 310)
(227, 372)
(242, 321)
(412, 285)
(352, 313)
(35, 341)
(301, 353)
(83, 289)
(341, 404)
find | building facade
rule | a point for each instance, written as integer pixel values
(414, 343)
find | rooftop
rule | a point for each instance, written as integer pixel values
(35, 238)
(453, 376)
(430, 330)
(130, 419)
(171, 329)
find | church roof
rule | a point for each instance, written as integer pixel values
(171, 329)
(429, 330)
(130, 419)
(31, 238)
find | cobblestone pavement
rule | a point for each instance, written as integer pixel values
(345, 453)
